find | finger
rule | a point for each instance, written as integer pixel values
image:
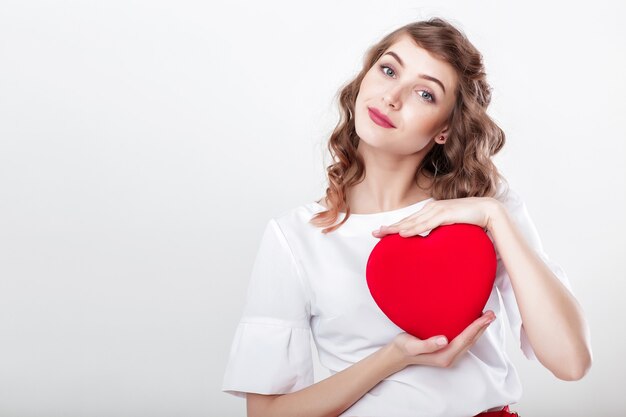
(484, 323)
(420, 226)
(466, 336)
(409, 219)
(399, 222)
(379, 232)
(382, 231)
(480, 333)
(471, 341)
(408, 231)
(464, 348)
(385, 230)
(417, 346)
(393, 228)
(485, 319)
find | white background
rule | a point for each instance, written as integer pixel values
(145, 144)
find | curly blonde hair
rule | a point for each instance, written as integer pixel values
(462, 166)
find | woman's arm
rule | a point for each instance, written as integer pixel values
(551, 315)
(333, 395)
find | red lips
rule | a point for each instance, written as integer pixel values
(380, 118)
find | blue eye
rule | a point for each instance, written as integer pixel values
(385, 66)
(430, 98)
(430, 95)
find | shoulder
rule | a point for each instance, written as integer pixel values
(508, 196)
(517, 210)
(294, 220)
(297, 215)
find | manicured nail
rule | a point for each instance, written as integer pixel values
(441, 341)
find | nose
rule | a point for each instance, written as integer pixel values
(392, 97)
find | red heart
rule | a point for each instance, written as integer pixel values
(433, 285)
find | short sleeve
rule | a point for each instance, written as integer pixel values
(519, 213)
(271, 349)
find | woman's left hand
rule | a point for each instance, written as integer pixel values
(472, 210)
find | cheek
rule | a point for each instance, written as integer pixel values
(370, 83)
(421, 120)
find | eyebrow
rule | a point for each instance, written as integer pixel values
(427, 77)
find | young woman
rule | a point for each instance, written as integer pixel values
(412, 151)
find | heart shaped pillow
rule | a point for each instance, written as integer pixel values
(433, 285)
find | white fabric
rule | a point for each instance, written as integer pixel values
(304, 282)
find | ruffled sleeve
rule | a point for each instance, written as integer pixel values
(271, 349)
(519, 213)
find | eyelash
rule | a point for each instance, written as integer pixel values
(391, 68)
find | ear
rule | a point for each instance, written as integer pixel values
(442, 136)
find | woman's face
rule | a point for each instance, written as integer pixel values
(416, 106)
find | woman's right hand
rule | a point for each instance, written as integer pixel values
(415, 351)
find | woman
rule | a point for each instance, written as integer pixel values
(412, 151)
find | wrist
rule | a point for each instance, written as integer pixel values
(394, 359)
(495, 211)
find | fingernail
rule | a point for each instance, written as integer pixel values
(441, 341)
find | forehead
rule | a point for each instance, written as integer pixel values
(418, 60)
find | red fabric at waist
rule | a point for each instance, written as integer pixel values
(502, 413)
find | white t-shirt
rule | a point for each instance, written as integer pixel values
(304, 282)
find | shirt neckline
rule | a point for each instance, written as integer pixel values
(380, 213)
